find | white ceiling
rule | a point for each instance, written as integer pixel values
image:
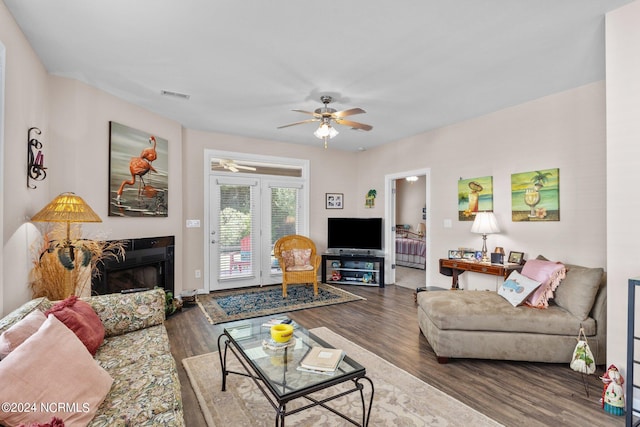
(413, 65)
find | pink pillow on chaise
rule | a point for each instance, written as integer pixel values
(82, 319)
(549, 274)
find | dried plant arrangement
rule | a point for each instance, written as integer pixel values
(64, 266)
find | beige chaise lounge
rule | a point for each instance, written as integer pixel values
(483, 325)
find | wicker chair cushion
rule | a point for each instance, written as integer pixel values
(297, 258)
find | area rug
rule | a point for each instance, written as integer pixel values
(238, 304)
(400, 399)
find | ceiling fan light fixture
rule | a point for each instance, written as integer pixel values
(325, 130)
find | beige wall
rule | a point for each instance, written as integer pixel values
(623, 154)
(565, 131)
(26, 105)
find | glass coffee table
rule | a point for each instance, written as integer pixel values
(274, 369)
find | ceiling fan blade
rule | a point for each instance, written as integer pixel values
(315, 114)
(349, 112)
(354, 125)
(299, 123)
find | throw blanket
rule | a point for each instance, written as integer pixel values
(549, 274)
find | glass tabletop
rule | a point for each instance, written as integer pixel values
(278, 366)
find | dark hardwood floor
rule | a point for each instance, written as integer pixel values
(512, 393)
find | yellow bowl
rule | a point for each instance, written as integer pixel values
(282, 332)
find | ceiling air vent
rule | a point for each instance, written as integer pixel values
(174, 94)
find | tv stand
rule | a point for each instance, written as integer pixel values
(353, 269)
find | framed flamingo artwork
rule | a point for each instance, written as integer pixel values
(138, 173)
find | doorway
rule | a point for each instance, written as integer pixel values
(251, 201)
(418, 216)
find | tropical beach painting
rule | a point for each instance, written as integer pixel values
(535, 196)
(474, 195)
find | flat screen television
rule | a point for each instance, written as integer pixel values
(354, 233)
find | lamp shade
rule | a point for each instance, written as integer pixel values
(67, 207)
(485, 223)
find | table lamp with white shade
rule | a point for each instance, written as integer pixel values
(485, 223)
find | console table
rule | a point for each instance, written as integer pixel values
(455, 267)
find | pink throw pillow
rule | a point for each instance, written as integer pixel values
(52, 366)
(81, 318)
(19, 332)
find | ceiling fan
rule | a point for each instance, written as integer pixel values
(232, 166)
(325, 115)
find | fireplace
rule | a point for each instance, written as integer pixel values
(148, 263)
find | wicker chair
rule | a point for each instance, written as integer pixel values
(285, 249)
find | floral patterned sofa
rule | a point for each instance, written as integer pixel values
(135, 353)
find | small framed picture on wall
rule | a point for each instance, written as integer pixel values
(333, 200)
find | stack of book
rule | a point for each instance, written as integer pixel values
(322, 360)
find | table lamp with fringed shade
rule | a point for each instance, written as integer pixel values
(485, 223)
(67, 207)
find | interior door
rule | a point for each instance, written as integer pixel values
(390, 276)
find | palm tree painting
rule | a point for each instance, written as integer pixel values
(535, 196)
(138, 173)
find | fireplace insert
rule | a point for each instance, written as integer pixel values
(148, 263)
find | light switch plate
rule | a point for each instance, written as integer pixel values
(193, 223)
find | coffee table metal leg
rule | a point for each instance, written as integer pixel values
(280, 414)
(223, 359)
(366, 413)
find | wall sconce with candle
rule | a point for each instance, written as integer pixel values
(35, 161)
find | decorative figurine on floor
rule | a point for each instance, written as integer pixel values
(612, 392)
